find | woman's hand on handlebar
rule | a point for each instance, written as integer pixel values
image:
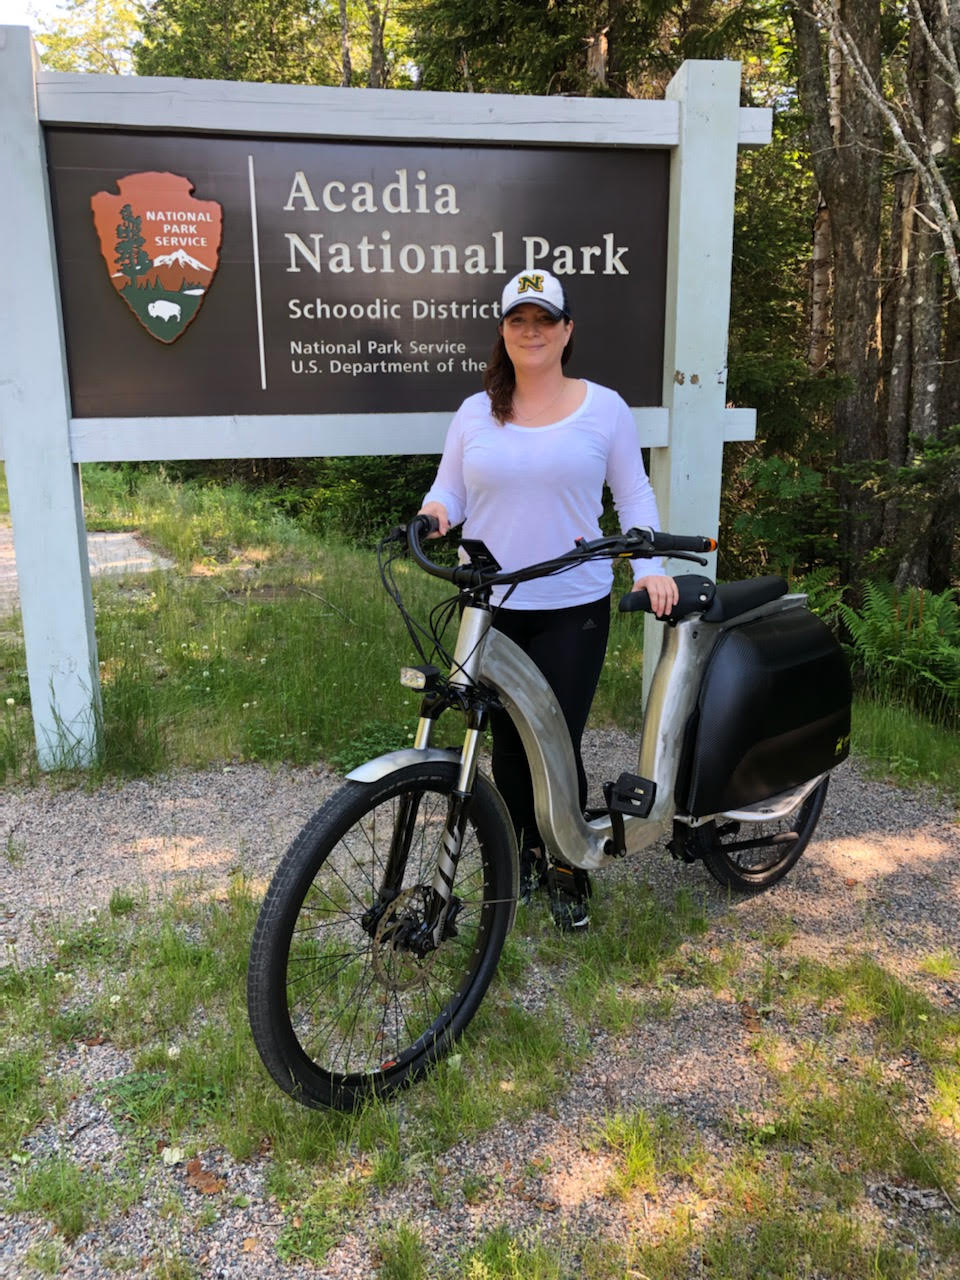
(439, 513)
(661, 589)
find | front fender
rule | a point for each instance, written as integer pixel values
(381, 766)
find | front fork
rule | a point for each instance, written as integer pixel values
(440, 904)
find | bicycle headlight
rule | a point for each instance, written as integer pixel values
(422, 678)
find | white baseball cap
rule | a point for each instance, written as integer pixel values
(538, 287)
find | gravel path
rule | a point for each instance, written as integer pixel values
(108, 553)
(882, 879)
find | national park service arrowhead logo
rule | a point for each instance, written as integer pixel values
(161, 247)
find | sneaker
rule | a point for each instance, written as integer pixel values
(569, 890)
(533, 873)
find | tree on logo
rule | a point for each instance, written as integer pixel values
(131, 258)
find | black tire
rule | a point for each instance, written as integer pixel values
(759, 865)
(371, 1017)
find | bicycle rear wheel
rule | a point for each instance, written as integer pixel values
(339, 1006)
(751, 856)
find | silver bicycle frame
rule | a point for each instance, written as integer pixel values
(483, 653)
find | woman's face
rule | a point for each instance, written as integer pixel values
(534, 339)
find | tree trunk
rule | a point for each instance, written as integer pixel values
(848, 171)
(897, 338)
(950, 379)
(378, 58)
(597, 59)
(821, 282)
(932, 101)
(821, 261)
(616, 74)
(346, 68)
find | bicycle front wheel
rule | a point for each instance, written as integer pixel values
(340, 1005)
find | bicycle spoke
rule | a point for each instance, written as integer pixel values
(319, 963)
(355, 1002)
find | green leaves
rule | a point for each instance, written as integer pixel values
(272, 41)
(907, 645)
(95, 36)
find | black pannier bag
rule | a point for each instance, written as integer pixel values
(776, 697)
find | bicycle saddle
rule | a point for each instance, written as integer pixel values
(734, 598)
(717, 602)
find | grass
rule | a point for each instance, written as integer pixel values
(232, 670)
(500, 1257)
(784, 1241)
(72, 1198)
(903, 746)
(197, 525)
(403, 1253)
(781, 1193)
(252, 652)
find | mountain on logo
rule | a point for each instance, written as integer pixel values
(178, 256)
(177, 270)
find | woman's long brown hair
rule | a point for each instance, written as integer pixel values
(500, 378)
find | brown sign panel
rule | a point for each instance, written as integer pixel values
(352, 277)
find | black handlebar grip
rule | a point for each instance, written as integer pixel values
(694, 595)
(680, 542)
(428, 524)
(635, 602)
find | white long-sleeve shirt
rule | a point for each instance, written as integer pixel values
(530, 492)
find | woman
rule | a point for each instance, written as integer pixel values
(523, 467)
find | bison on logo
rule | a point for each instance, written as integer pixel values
(161, 247)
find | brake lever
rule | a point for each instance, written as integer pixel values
(685, 555)
(647, 553)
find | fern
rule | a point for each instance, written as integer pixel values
(907, 646)
(824, 594)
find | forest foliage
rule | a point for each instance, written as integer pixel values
(845, 326)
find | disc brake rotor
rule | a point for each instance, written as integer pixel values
(397, 968)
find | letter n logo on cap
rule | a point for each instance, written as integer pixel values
(526, 283)
(161, 248)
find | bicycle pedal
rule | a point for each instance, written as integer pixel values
(630, 794)
(569, 880)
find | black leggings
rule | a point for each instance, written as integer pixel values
(568, 645)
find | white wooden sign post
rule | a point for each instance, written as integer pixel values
(43, 479)
(49, 428)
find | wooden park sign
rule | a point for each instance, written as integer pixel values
(207, 269)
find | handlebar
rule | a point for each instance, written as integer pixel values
(634, 544)
(670, 542)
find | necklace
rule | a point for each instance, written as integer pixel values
(525, 417)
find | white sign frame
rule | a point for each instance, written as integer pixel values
(700, 121)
